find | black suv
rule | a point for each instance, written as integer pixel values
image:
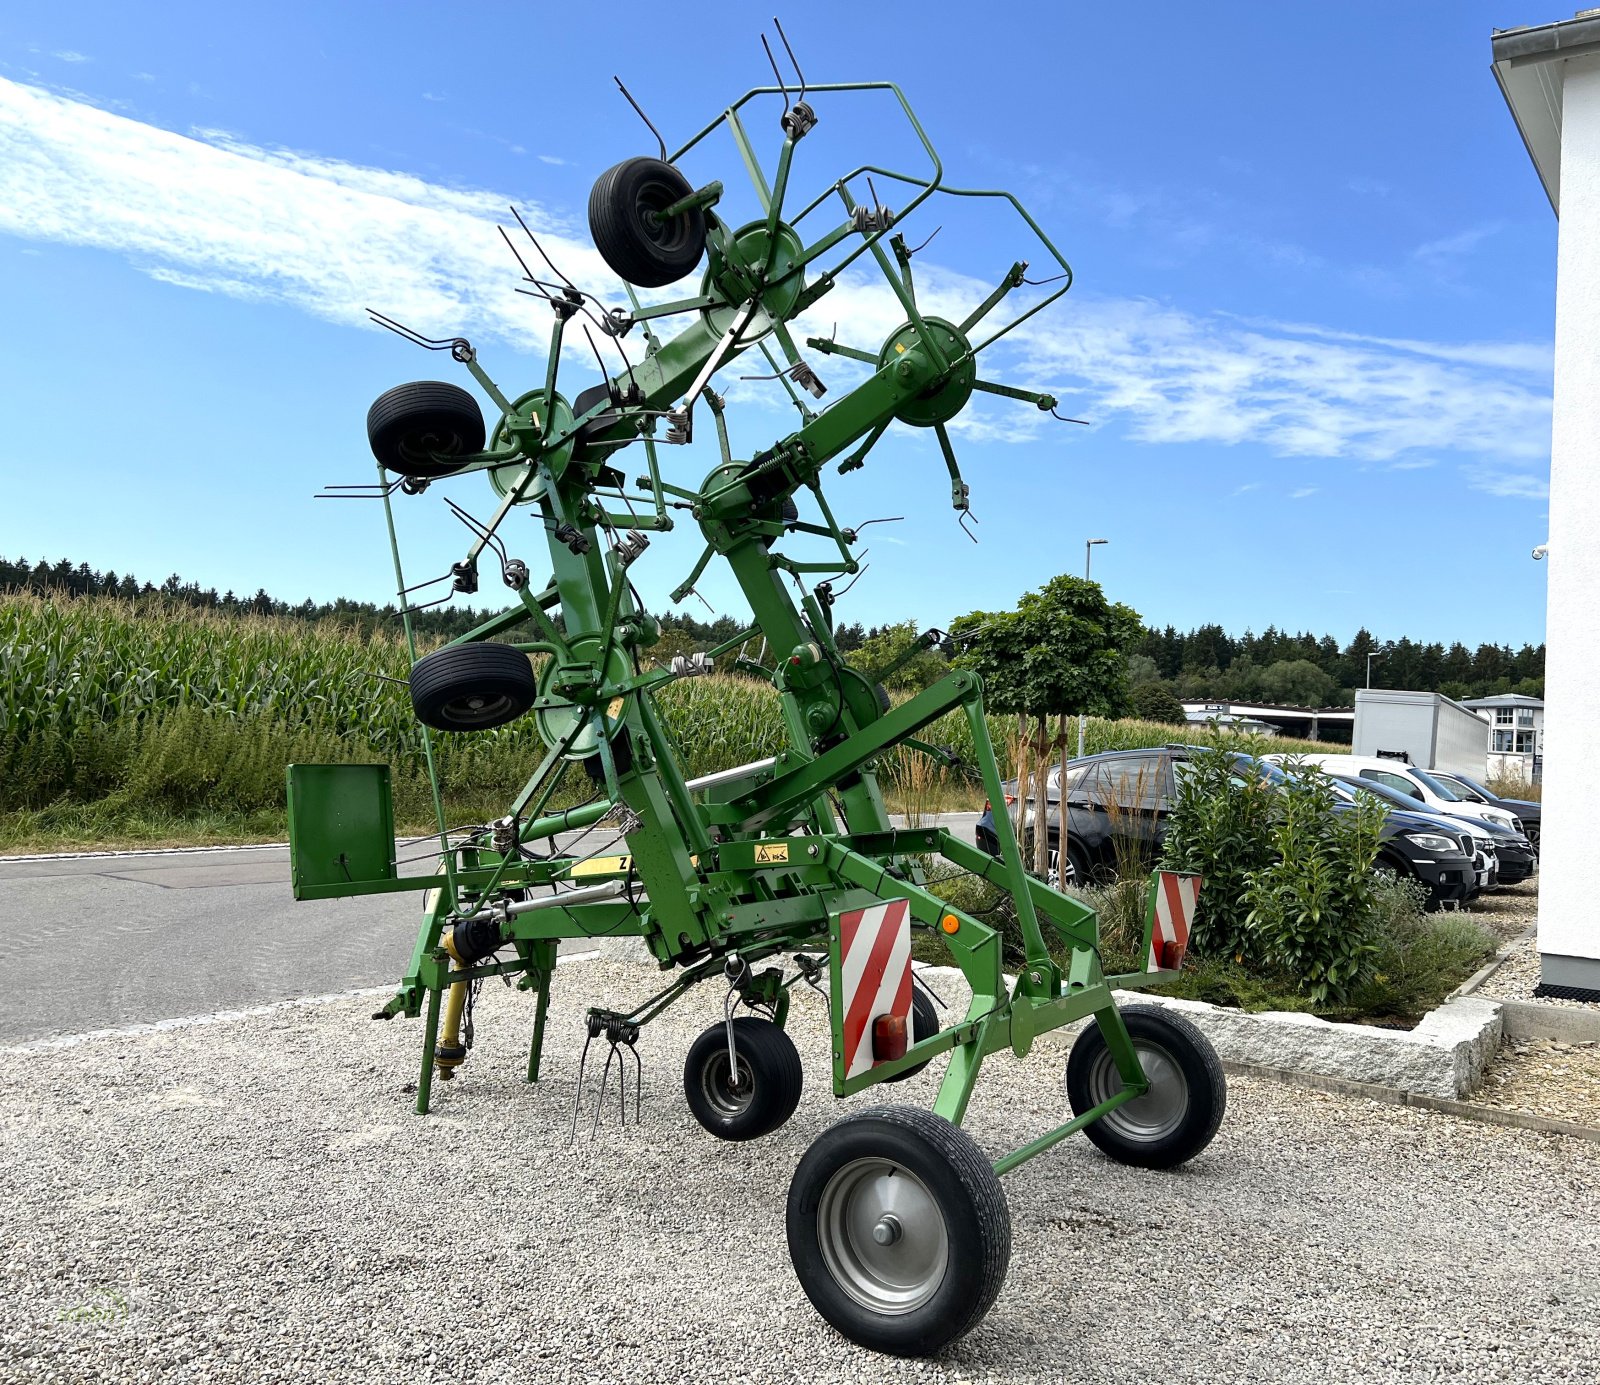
(1128, 794)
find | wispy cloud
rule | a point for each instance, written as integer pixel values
(1449, 248)
(1513, 485)
(1300, 493)
(552, 159)
(1247, 488)
(70, 55)
(215, 213)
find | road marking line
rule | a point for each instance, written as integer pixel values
(146, 1029)
(142, 851)
(134, 1031)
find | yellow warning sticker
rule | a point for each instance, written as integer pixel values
(614, 709)
(900, 347)
(772, 855)
(601, 865)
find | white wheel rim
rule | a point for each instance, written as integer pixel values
(1156, 1114)
(882, 1236)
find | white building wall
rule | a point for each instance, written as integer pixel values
(1569, 923)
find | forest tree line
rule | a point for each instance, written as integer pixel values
(1207, 662)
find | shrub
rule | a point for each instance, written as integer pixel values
(1220, 827)
(1288, 881)
(1157, 702)
(1311, 904)
(1417, 958)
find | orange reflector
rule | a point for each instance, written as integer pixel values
(888, 1038)
(1171, 955)
(949, 923)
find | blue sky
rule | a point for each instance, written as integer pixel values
(1310, 323)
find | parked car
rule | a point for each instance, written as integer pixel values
(1516, 854)
(1472, 791)
(1418, 784)
(1118, 803)
(1482, 840)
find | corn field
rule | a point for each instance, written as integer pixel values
(148, 704)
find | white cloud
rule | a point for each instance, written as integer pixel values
(1246, 488)
(1303, 491)
(211, 212)
(68, 55)
(1510, 484)
(552, 159)
(1185, 378)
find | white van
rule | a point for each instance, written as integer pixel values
(1415, 783)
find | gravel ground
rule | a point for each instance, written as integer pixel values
(1518, 974)
(1507, 912)
(1547, 1077)
(253, 1200)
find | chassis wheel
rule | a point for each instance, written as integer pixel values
(471, 687)
(754, 1099)
(1178, 1116)
(924, 1025)
(631, 236)
(898, 1230)
(418, 429)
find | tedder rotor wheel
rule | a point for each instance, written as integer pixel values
(754, 1099)
(924, 1025)
(1177, 1117)
(632, 237)
(421, 429)
(898, 1230)
(471, 687)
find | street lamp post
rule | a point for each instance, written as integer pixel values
(1376, 654)
(1088, 557)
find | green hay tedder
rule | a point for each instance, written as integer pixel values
(766, 875)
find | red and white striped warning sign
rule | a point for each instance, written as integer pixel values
(1176, 896)
(874, 975)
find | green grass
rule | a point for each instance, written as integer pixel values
(143, 722)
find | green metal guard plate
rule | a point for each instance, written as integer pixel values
(341, 825)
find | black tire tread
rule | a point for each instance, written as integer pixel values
(460, 668)
(435, 405)
(941, 1322)
(774, 1065)
(626, 250)
(1175, 1031)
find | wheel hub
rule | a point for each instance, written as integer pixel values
(948, 395)
(1163, 1106)
(882, 1236)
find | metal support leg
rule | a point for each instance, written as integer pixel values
(430, 1036)
(960, 1078)
(544, 960)
(1123, 1053)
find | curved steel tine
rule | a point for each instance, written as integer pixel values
(577, 1096)
(600, 1101)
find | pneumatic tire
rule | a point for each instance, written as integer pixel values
(421, 429)
(898, 1230)
(1178, 1116)
(623, 220)
(755, 1099)
(471, 687)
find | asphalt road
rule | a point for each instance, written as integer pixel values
(94, 942)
